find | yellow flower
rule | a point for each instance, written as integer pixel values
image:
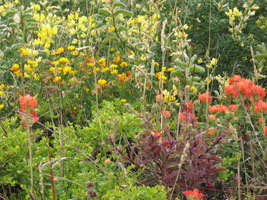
(59, 50)
(170, 69)
(75, 53)
(90, 64)
(64, 60)
(114, 72)
(71, 48)
(14, 67)
(236, 12)
(258, 21)
(56, 79)
(156, 64)
(18, 73)
(199, 60)
(123, 64)
(24, 52)
(3, 86)
(104, 69)
(117, 53)
(1, 106)
(123, 100)
(111, 28)
(113, 66)
(1, 93)
(214, 61)
(85, 89)
(36, 77)
(101, 82)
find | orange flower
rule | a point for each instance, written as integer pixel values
(260, 121)
(107, 161)
(218, 108)
(204, 97)
(212, 117)
(166, 113)
(189, 107)
(187, 116)
(265, 131)
(261, 106)
(211, 131)
(28, 102)
(232, 107)
(159, 97)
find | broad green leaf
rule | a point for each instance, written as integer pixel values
(1, 55)
(120, 4)
(196, 68)
(104, 11)
(179, 62)
(124, 12)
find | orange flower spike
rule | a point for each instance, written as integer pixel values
(28, 102)
(265, 131)
(260, 121)
(166, 113)
(204, 97)
(210, 132)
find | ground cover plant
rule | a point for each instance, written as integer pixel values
(132, 99)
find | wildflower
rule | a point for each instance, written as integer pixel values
(123, 64)
(211, 131)
(265, 131)
(123, 100)
(193, 194)
(75, 53)
(64, 60)
(260, 121)
(170, 69)
(28, 116)
(218, 108)
(71, 48)
(232, 107)
(28, 102)
(183, 116)
(14, 68)
(1, 106)
(159, 97)
(166, 113)
(101, 82)
(1, 93)
(116, 60)
(189, 107)
(24, 52)
(107, 161)
(205, 97)
(212, 117)
(114, 72)
(57, 79)
(261, 106)
(85, 89)
(60, 50)
(3, 86)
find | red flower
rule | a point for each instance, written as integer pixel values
(232, 107)
(265, 131)
(261, 106)
(204, 97)
(28, 101)
(260, 121)
(193, 194)
(218, 108)
(189, 107)
(28, 116)
(166, 113)
(210, 132)
(185, 117)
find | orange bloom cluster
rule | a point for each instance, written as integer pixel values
(233, 107)
(204, 97)
(189, 107)
(265, 131)
(245, 87)
(28, 116)
(218, 108)
(193, 194)
(261, 106)
(187, 116)
(166, 113)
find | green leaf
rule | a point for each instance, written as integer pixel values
(124, 12)
(122, 28)
(11, 12)
(13, 25)
(196, 68)
(179, 62)
(120, 4)
(1, 55)
(104, 11)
